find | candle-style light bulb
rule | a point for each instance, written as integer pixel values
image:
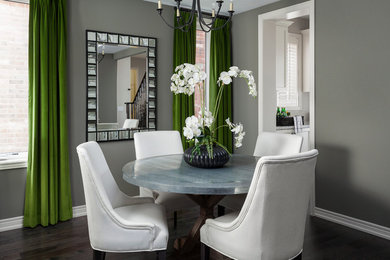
(159, 6)
(231, 5)
(177, 12)
(213, 10)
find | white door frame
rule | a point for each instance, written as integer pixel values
(305, 8)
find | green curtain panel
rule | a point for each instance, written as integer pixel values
(184, 48)
(221, 60)
(48, 197)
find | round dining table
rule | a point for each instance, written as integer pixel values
(206, 187)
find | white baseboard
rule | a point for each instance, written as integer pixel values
(11, 223)
(79, 211)
(17, 222)
(361, 225)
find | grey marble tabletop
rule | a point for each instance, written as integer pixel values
(171, 173)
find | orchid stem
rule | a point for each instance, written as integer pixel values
(218, 102)
(219, 127)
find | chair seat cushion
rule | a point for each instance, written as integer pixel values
(174, 201)
(148, 213)
(228, 218)
(233, 202)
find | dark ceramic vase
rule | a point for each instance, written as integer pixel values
(203, 160)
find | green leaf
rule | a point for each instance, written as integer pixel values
(223, 147)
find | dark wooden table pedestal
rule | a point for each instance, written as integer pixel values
(206, 203)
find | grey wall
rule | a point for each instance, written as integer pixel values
(352, 100)
(107, 89)
(352, 93)
(12, 184)
(123, 16)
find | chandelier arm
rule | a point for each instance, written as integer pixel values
(184, 26)
(203, 26)
(222, 26)
(172, 26)
(211, 24)
(201, 19)
(190, 19)
(219, 10)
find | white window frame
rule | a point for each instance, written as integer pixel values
(20, 1)
(298, 37)
(14, 160)
(207, 61)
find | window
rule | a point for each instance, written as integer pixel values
(289, 96)
(202, 58)
(13, 83)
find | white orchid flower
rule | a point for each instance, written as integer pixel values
(186, 77)
(187, 132)
(233, 71)
(228, 122)
(225, 78)
(207, 119)
(238, 129)
(202, 75)
(196, 77)
(196, 132)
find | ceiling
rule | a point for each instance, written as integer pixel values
(239, 5)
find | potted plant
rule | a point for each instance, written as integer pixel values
(200, 130)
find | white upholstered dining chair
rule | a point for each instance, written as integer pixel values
(268, 143)
(271, 223)
(158, 143)
(117, 222)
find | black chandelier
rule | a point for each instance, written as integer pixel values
(205, 26)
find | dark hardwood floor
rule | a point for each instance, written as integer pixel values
(69, 240)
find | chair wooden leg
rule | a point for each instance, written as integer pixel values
(221, 210)
(175, 219)
(98, 255)
(204, 252)
(162, 255)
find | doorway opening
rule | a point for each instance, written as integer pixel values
(286, 72)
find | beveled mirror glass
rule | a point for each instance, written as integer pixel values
(121, 85)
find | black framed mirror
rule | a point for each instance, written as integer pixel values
(121, 85)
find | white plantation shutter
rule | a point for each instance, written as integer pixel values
(289, 96)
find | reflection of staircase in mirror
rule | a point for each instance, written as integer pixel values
(136, 109)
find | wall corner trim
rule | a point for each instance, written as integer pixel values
(358, 224)
(17, 222)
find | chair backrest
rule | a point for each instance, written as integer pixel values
(157, 143)
(102, 196)
(272, 219)
(130, 123)
(269, 143)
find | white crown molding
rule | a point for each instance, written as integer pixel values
(358, 224)
(17, 222)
